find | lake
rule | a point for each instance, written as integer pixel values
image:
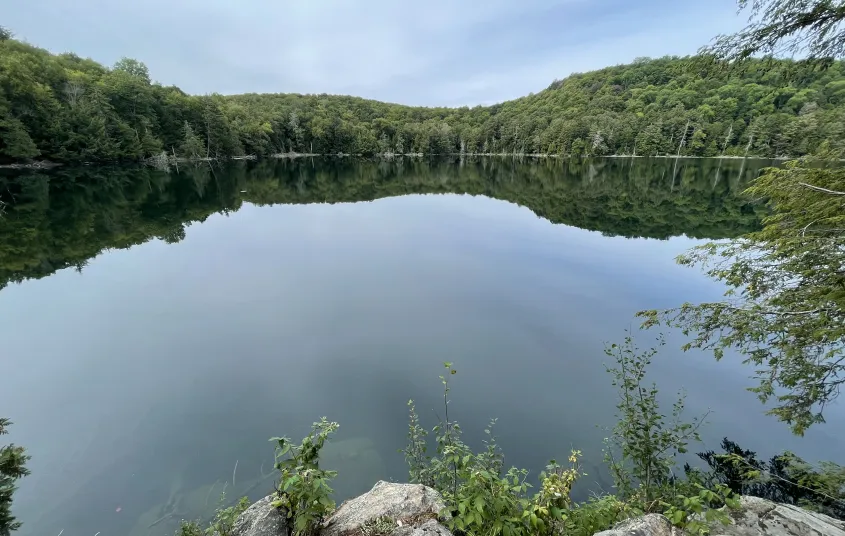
(158, 328)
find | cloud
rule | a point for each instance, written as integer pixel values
(441, 52)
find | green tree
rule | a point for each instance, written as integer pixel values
(12, 467)
(650, 141)
(192, 146)
(133, 68)
(811, 28)
(15, 142)
(73, 109)
(785, 304)
(644, 443)
(784, 309)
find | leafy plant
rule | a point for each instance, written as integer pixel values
(12, 467)
(379, 526)
(548, 508)
(598, 514)
(784, 307)
(547, 511)
(224, 518)
(303, 493)
(489, 504)
(415, 453)
(222, 524)
(696, 513)
(189, 528)
(479, 498)
(643, 444)
(784, 478)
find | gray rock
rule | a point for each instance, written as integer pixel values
(411, 505)
(755, 517)
(759, 517)
(260, 519)
(649, 525)
(429, 528)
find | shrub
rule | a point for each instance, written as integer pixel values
(644, 444)
(785, 478)
(189, 528)
(303, 493)
(224, 519)
(12, 467)
(222, 524)
(598, 514)
(479, 498)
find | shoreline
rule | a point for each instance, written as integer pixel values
(48, 165)
(39, 164)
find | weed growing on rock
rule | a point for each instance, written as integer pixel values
(379, 526)
(303, 493)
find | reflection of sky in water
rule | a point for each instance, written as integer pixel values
(167, 359)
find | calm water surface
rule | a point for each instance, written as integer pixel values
(158, 328)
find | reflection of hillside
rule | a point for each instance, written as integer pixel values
(62, 219)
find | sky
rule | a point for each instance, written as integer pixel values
(433, 53)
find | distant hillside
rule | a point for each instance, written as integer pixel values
(65, 108)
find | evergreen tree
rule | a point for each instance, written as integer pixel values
(192, 146)
(784, 309)
(12, 467)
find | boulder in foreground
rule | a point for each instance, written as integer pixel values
(759, 517)
(386, 510)
(649, 525)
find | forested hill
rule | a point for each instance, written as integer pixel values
(65, 108)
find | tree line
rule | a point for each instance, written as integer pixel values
(64, 108)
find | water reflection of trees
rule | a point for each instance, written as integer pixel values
(64, 218)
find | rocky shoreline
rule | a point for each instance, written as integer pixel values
(391, 509)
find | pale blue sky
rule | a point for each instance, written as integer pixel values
(438, 52)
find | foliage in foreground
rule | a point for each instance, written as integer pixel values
(483, 498)
(784, 478)
(802, 28)
(644, 443)
(784, 309)
(303, 494)
(222, 524)
(12, 467)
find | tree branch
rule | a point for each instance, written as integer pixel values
(820, 189)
